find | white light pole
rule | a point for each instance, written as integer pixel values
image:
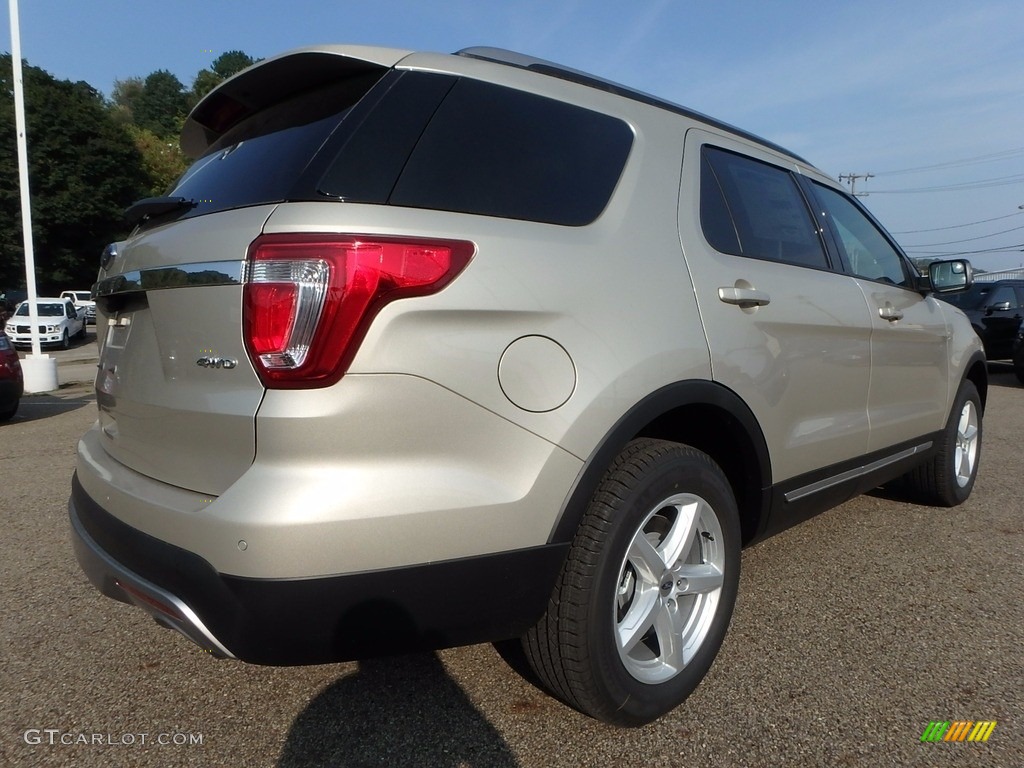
(40, 370)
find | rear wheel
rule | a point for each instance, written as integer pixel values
(647, 591)
(948, 477)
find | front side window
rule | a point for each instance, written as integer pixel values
(868, 252)
(750, 208)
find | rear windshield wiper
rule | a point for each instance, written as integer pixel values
(156, 206)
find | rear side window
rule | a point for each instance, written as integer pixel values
(749, 208)
(496, 151)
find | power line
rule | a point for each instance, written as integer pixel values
(965, 240)
(958, 163)
(1004, 249)
(954, 226)
(999, 181)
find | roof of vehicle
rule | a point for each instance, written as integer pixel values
(270, 80)
(521, 61)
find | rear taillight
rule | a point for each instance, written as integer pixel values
(309, 299)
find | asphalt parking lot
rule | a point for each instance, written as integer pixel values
(852, 633)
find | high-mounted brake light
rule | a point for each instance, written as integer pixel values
(308, 299)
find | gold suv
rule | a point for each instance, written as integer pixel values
(431, 349)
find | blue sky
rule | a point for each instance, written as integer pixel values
(857, 86)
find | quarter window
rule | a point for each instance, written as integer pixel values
(498, 151)
(754, 209)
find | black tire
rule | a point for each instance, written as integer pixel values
(81, 333)
(9, 413)
(947, 479)
(658, 500)
(65, 341)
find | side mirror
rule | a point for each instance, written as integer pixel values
(950, 276)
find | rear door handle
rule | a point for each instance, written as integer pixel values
(745, 298)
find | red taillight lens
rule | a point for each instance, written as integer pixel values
(309, 298)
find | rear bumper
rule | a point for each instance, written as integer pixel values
(115, 580)
(313, 620)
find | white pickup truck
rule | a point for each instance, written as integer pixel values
(83, 303)
(59, 322)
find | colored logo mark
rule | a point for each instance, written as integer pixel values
(959, 730)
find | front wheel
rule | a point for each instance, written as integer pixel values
(647, 591)
(947, 479)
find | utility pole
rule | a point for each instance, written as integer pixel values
(40, 370)
(851, 179)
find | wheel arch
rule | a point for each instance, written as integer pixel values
(977, 373)
(702, 414)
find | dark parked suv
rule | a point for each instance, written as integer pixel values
(996, 310)
(435, 349)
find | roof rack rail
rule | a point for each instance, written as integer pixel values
(544, 67)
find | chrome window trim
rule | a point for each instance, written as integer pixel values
(178, 276)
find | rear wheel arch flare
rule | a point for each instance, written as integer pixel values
(702, 414)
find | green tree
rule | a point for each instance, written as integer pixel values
(84, 170)
(223, 67)
(162, 158)
(161, 104)
(122, 101)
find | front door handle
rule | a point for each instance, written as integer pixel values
(745, 298)
(890, 313)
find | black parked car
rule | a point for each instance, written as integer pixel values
(996, 310)
(1017, 355)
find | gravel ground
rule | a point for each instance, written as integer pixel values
(851, 633)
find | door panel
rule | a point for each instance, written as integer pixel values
(909, 364)
(909, 338)
(792, 341)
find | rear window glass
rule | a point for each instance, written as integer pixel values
(497, 151)
(261, 159)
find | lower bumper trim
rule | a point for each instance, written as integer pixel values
(116, 581)
(318, 620)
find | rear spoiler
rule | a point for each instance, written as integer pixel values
(273, 79)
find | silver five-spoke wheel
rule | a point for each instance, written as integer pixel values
(647, 589)
(968, 436)
(668, 588)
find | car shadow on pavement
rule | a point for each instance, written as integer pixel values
(1001, 374)
(395, 711)
(36, 407)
